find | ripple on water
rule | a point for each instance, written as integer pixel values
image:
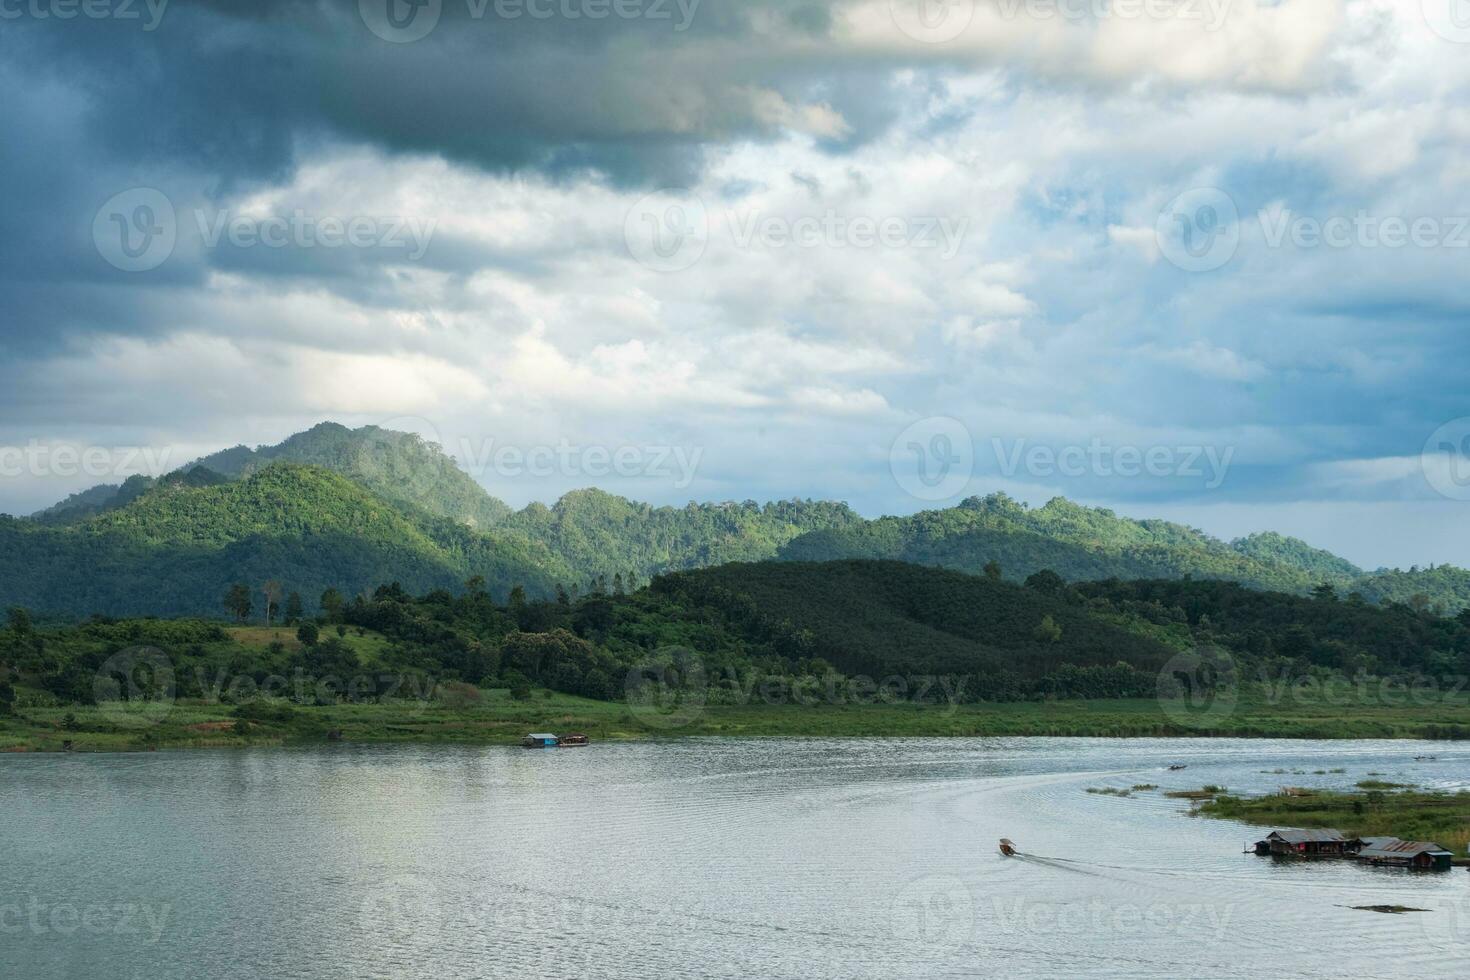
(707, 858)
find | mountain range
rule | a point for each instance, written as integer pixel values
(350, 509)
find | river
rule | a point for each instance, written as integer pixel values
(700, 858)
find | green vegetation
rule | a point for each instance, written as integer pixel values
(853, 647)
(492, 716)
(1082, 543)
(352, 509)
(177, 548)
(1277, 635)
(1443, 818)
(602, 536)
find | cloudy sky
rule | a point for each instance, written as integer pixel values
(1202, 260)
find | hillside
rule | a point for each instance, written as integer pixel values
(1083, 543)
(786, 633)
(113, 549)
(601, 534)
(399, 466)
(1074, 541)
(177, 547)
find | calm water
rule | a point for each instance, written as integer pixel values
(702, 858)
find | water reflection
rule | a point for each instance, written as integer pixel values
(707, 857)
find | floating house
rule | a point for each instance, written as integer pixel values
(540, 741)
(1421, 854)
(573, 740)
(1308, 843)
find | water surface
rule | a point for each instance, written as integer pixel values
(699, 858)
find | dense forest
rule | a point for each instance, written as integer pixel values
(763, 626)
(1094, 543)
(344, 508)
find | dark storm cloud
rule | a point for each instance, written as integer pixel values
(235, 88)
(209, 99)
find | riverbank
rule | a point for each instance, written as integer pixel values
(494, 717)
(1443, 818)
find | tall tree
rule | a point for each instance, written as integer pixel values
(19, 620)
(332, 603)
(271, 590)
(295, 611)
(237, 601)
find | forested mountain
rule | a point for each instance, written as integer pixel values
(164, 546)
(601, 534)
(1074, 541)
(1086, 543)
(178, 547)
(791, 631)
(1272, 548)
(400, 466)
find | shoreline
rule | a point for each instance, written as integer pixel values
(497, 719)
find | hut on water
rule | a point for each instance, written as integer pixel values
(1308, 843)
(1421, 854)
(540, 740)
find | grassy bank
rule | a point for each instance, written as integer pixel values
(1412, 815)
(493, 716)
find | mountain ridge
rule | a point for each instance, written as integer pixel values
(447, 528)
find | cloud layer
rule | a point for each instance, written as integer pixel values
(795, 236)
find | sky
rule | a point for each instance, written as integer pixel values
(1201, 260)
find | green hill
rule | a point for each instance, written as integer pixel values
(120, 549)
(1083, 544)
(599, 534)
(1076, 542)
(177, 547)
(399, 466)
(1271, 548)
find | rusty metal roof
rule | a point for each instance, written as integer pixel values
(1402, 848)
(1294, 836)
